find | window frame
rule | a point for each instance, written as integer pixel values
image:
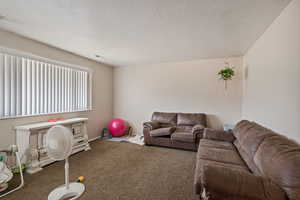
(27, 55)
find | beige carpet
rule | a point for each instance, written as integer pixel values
(120, 171)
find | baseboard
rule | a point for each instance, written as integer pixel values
(93, 139)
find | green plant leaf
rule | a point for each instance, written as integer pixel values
(227, 73)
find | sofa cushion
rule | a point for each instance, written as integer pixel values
(165, 119)
(247, 158)
(216, 144)
(184, 129)
(220, 155)
(219, 135)
(200, 163)
(278, 158)
(162, 132)
(191, 119)
(249, 136)
(227, 183)
(182, 136)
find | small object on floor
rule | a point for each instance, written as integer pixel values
(16, 170)
(136, 139)
(130, 132)
(105, 134)
(80, 179)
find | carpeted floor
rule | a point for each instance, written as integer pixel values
(119, 171)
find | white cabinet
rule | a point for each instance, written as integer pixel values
(31, 142)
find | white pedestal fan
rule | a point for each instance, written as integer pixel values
(59, 142)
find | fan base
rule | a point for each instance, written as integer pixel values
(74, 192)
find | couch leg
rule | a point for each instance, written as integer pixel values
(204, 195)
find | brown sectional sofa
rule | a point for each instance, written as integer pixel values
(177, 130)
(250, 163)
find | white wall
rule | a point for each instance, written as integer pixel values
(102, 87)
(177, 87)
(272, 75)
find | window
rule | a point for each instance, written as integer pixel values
(30, 85)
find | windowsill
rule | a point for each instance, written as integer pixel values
(46, 114)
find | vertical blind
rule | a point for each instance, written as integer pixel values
(30, 86)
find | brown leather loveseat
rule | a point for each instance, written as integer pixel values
(250, 163)
(178, 130)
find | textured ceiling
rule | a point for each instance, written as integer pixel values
(137, 32)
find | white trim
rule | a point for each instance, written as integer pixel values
(93, 139)
(16, 117)
(15, 52)
(43, 125)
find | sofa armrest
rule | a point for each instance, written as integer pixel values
(197, 131)
(197, 128)
(152, 125)
(220, 135)
(237, 184)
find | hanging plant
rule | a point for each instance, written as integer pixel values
(226, 74)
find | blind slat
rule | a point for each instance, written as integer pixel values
(52, 81)
(48, 89)
(37, 88)
(33, 86)
(24, 87)
(42, 94)
(28, 86)
(13, 86)
(19, 86)
(2, 85)
(7, 89)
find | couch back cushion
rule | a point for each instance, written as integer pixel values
(249, 136)
(191, 119)
(165, 119)
(278, 158)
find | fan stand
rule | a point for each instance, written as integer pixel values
(69, 190)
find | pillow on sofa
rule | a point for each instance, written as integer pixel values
(162, 131)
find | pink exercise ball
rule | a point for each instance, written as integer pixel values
(117, 127)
